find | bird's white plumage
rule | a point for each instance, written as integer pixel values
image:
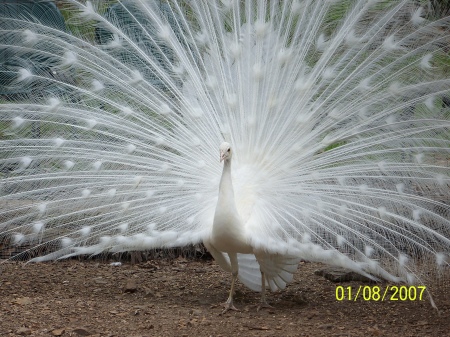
(234, 227)
(337, 113)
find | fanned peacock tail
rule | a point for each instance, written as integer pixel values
(337, 112)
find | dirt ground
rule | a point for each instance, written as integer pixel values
(179, 297)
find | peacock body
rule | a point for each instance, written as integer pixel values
(336, 111)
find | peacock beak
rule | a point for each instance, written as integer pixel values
(222, 156)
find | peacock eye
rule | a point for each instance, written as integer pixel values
(228, 150)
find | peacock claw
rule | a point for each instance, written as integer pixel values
(264, 305)
(229, 306)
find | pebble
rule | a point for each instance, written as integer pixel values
(58, 332)
(100, 280)
(82, 331)
(23, 301)
(130, 286)
(195, 312)
(23, 331)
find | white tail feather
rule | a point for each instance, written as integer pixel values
(337, 113)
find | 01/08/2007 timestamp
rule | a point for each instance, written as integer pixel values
(376, 293)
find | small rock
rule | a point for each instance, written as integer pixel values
(23, 331)
(337, 274)
(299, 299)
(325, 326)
(23, 300)
(130, 286)
(140, 307)
(58, 332)
(254, 327)
(100, 280)
(149, 293)
(375, 331)
(195, 312)
(312, 314)
(421, 323)
(82, 331)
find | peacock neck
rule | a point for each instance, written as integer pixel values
(226, 192)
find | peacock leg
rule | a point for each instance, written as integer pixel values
(234, 274)
(263, 303)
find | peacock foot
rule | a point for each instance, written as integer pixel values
(264, 305)
(229, 306)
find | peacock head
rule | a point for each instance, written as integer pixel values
(225, 151)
